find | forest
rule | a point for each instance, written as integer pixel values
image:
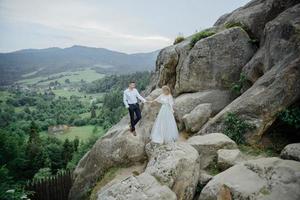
(28, 152)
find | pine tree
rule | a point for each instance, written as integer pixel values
(93, 112)
(33, 133)
(76, 143)
(67, 152)
(34, 149)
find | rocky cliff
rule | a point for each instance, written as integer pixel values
(258, 43)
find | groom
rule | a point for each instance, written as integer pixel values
(130, 97)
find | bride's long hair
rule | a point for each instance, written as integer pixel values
(167, 88)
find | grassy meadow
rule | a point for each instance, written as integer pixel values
(82, 132)
(87, 75)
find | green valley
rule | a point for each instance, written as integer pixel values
(47, 123)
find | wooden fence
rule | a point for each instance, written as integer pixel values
(52, 188)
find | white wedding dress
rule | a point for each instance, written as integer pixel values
(164, 129)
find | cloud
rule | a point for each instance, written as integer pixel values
(80, 23)
(129, 26)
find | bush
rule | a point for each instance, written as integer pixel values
(252, 40)
(291, 116)
(42, 174)
(236, 24)
(200, 35)
(9, 190)
(80, 122)
(238, 86)
(235, 128)
(178, 39)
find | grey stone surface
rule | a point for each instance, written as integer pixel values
(197, 117)
(175, 165)
(256, 14)
(142, 187)
(291, 152)
(208, 145)
(261, 179)
(214, 62)
(260, 104)
(229, 157)
(185, 103)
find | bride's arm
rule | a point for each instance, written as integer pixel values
(158, 99)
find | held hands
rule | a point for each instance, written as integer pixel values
(149, 101)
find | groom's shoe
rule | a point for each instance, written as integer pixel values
(133, 131)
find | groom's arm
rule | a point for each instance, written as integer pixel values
(140, 97)
(125, 101)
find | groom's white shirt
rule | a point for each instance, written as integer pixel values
(131, 96)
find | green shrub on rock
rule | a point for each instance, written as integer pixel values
(236, 24)
(238, 86)
(178, 39)
(253, 40)
(200, 35)
(291, 116)
(235, 128)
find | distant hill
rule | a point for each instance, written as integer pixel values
(53, 60)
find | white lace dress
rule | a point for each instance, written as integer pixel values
(164, 129)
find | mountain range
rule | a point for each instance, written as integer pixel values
(54, 60)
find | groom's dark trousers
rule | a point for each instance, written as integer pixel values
(134, 109)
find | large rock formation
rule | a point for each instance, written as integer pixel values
(279, 44)
(185, 103)
(218, 59)
(194, 120)
(166, 64)
(256, 14)
(142, 187)
(276, 67)
(259, 105)
(265, 178)
(208, 146)
(177, 166)
(204, 74)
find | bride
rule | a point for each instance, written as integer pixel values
(165, 129)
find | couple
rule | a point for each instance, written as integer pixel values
(164, 129)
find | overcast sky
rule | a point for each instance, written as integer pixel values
(124, 25)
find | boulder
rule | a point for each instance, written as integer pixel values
(281, 44)
(291, 152)
(142, 187)
(229, 157)
(214, 62)
(265, 178)
(185, 103)
(117, 147)
(255, 14)
(167, 61)
(166, 64)
(204, 177)
(208, 145)
(175, 165)
(197, 117)
(274, 71)
(280, 86)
